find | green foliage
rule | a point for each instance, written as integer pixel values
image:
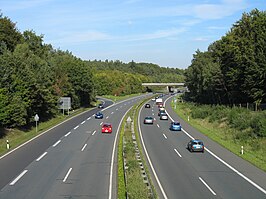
(248, 123)
(33, 77)
(233, 69)
(258, 124)
(9, 35)
(117, 83)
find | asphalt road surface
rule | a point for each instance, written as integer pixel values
(72, 160)
(178, 173)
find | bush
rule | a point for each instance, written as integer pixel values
(219, 113)
(201, 112)
(258, 124)
(239, 118)
(249, 123)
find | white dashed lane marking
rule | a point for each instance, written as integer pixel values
(178, 153)
(67, 134)
(55, 144)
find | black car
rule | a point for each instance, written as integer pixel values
(147, 106)
(100, 106)
(161, 112)
(99, 115)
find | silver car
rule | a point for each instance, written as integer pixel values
(148, 120)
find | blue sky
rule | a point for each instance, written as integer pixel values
(163, 32)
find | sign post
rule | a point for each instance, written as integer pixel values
(36, 118)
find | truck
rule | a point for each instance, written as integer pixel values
(159, 101)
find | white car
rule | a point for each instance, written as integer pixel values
(148, 120)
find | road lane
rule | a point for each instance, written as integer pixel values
(202, 169)
(68, 172)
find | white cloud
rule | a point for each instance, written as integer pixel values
(217, 28)
(200, 39)
(23, 4)
(218, 11)
(78, 37)
(169, 33)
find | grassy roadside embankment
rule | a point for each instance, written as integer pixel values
(17, 137)
(221, 131)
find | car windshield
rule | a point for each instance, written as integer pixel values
(148, 118)
(176, 123)
(197, 143)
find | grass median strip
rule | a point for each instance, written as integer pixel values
(133, 175)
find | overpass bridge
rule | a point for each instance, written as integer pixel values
(168, 86)
(163, 84)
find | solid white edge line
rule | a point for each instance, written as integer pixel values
(39, 135)
(207, 186)
(67, 134)
(164, 136)
(178, 153)
(68, 173)
(222, 161)
(236, 171)
(149, 160)
(39, 158)
(17, 178)
(76, 127)
(113, 155)
(83, 122)
(93, 132)
(55, 144)
(83, 147)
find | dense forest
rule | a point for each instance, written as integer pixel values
(34, 76)
(233, 69)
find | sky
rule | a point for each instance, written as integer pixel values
(163, 32)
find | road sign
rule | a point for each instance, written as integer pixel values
(129, 119)
(65, 103)
(36, 118)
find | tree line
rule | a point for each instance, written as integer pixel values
(233, 69)
(34, 76)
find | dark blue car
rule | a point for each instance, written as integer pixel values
(99, 115)
(195, 145)
(175, 126)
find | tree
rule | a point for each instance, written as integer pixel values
(9, 35)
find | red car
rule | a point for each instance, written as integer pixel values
(107, 128)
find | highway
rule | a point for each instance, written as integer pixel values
(72, 160)
(178, 173)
